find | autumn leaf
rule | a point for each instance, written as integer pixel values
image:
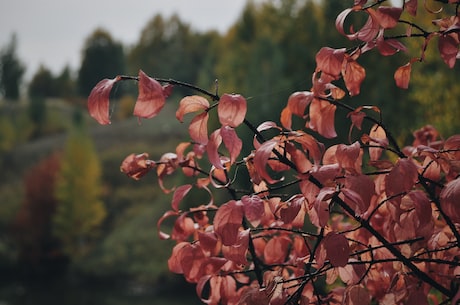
(189, 104)
(151, 98)
(231, 110)
(353, 75)
(261, 157)
(136, 166)
(337, 249)
(228, 220)
(366, 33)
(330, 60)
(237, 252)
(232, 142)
(322, 115)
(402, 76)
(388, 16)
(276, 250)
(98, 100)
(253, 207)
(198, 128)
(297, 103)
(450, 200)
(179, 194)
(448, 48)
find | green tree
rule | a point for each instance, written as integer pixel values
(103, 57)
(11, 70)
(80, 210)
(42, 83)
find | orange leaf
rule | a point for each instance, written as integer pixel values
(136, 166)
(322, 118)
(191, 104)
(353, 75)
(231, 110)
(402, 76)
(98, 100)
(151, 98)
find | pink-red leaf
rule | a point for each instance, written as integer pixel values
(232, 142)
(228, 220)
(98, 100)
(448, 48)
(402, 76)
(136, 166)
(401, 178)
(450, 200)
(322, 114)
(191, 104)
(261, 157)
(353, 75)
(254, 209)
(330, 60)
(198, 128)
(212, 149)
(388, 16)
(276, 250)
(151, 98)
(232, 110)
(297, 103)
(237, 252)
(179, 194)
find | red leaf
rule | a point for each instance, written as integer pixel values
(450, 200)
(276, 250)
(411, 7)
(349, 157)
(179, 194)
(402, 76)
(388, 16)
(364, 186)
(321, 207)
(208, 242)
(353, 75)
(198, 128)
(337, 249)
(237, 252)
(401, 178)
(377, 137)
(261, 157)
(367, 33)
(254, 209)
(322, 118)
(98, 100)
(310, 145)
(227, 222)
(231, 110)
(388, 47)
(174, 261)
(183, 228)
(231, 142)
(351, 274)
(151, 98)
(448, 47)
(297, 103)
(292, 208)
(330, 60)
(136, 166)
(191, 104)
(212, 149)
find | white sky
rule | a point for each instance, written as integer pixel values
(52, 32)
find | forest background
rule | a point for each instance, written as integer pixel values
(67, 211)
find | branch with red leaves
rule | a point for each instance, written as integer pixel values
(375, 221)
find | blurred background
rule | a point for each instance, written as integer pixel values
(73, 229)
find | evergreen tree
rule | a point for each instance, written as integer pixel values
(11, 70)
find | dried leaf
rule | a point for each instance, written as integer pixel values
(402, 76)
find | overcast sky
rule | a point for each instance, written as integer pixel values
(52, 32)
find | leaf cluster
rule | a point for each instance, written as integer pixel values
(373, 220)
